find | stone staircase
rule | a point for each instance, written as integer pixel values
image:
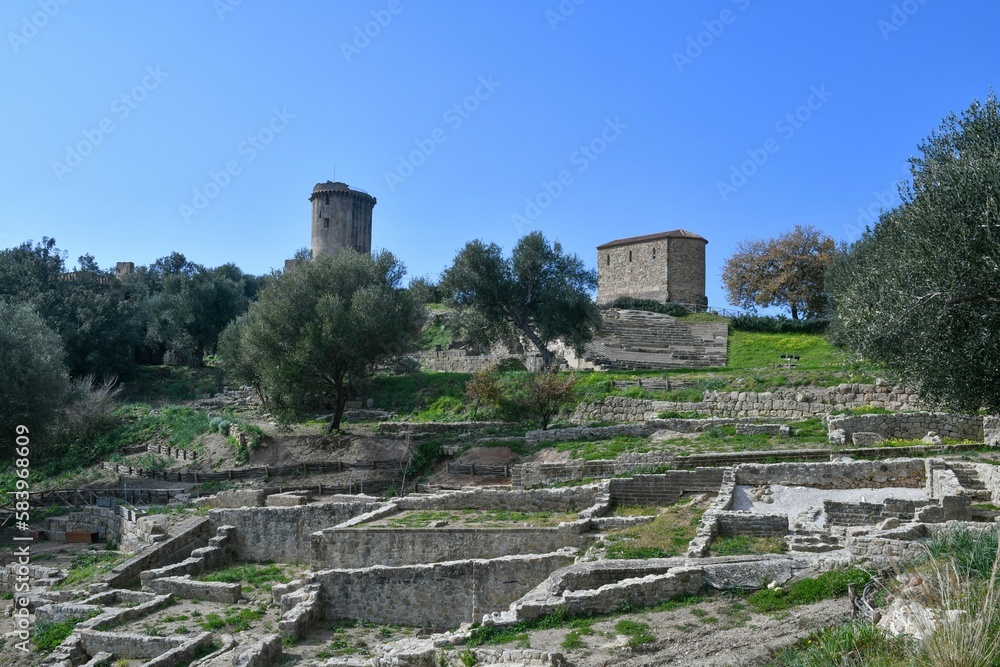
(812, 542)
(968, 477)
(636, 339)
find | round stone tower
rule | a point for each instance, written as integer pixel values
(341, 218)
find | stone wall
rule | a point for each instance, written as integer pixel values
(663, 269)
(434, 595)
(348, 548)
(990, 476)
(911, 425)
(528, 475)
(588, 433)
(281, 534)
(867, 514)
(190, 535)
(749, 523)
(664, 489)
(909, 473)
(799, 403)
(121, 525)
(435, 427)
(991, 430)
(464, 361)
(569, 499)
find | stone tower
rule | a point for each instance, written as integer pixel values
(666, 267)
(341, 218)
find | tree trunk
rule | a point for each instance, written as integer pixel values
(338, 406)
(546, 353)
(795, 312)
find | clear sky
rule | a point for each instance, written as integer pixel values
(133, 129)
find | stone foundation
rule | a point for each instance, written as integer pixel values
(281, 534)
(433, 595)
(911, 425)
(351, 548)
(779, 404)
(908, 473)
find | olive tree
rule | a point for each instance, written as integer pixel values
(34, 381)
(919, 294)
(314, 332)
(539, 294)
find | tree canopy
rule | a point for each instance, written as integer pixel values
(314, 332)
(34, 381)
(788, 271)
(172, 305)
(539, 294)
(919, 294)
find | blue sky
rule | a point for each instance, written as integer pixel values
(135, 129)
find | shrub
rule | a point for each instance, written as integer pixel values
(649, 305)
(779, 324)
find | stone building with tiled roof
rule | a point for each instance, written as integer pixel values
(666, 267)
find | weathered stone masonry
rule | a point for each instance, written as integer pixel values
(669, 266)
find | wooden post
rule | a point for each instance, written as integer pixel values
(473, 469)
(852, 595)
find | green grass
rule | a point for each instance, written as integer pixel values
(47, 635)
(130, 424)
(237, 619)
(826, 586)
(408, 394)
(84, 567)
(436, 334)
(973, 552)
(666, 536)
(572, 641)
(179, 383)
(259, 576)
(744, 545)
(638, 633)
(752, 350)
(479, 518)
(635, 510)
(808, 433)
(853, 645)
(604, 449)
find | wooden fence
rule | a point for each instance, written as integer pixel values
(477, 469)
